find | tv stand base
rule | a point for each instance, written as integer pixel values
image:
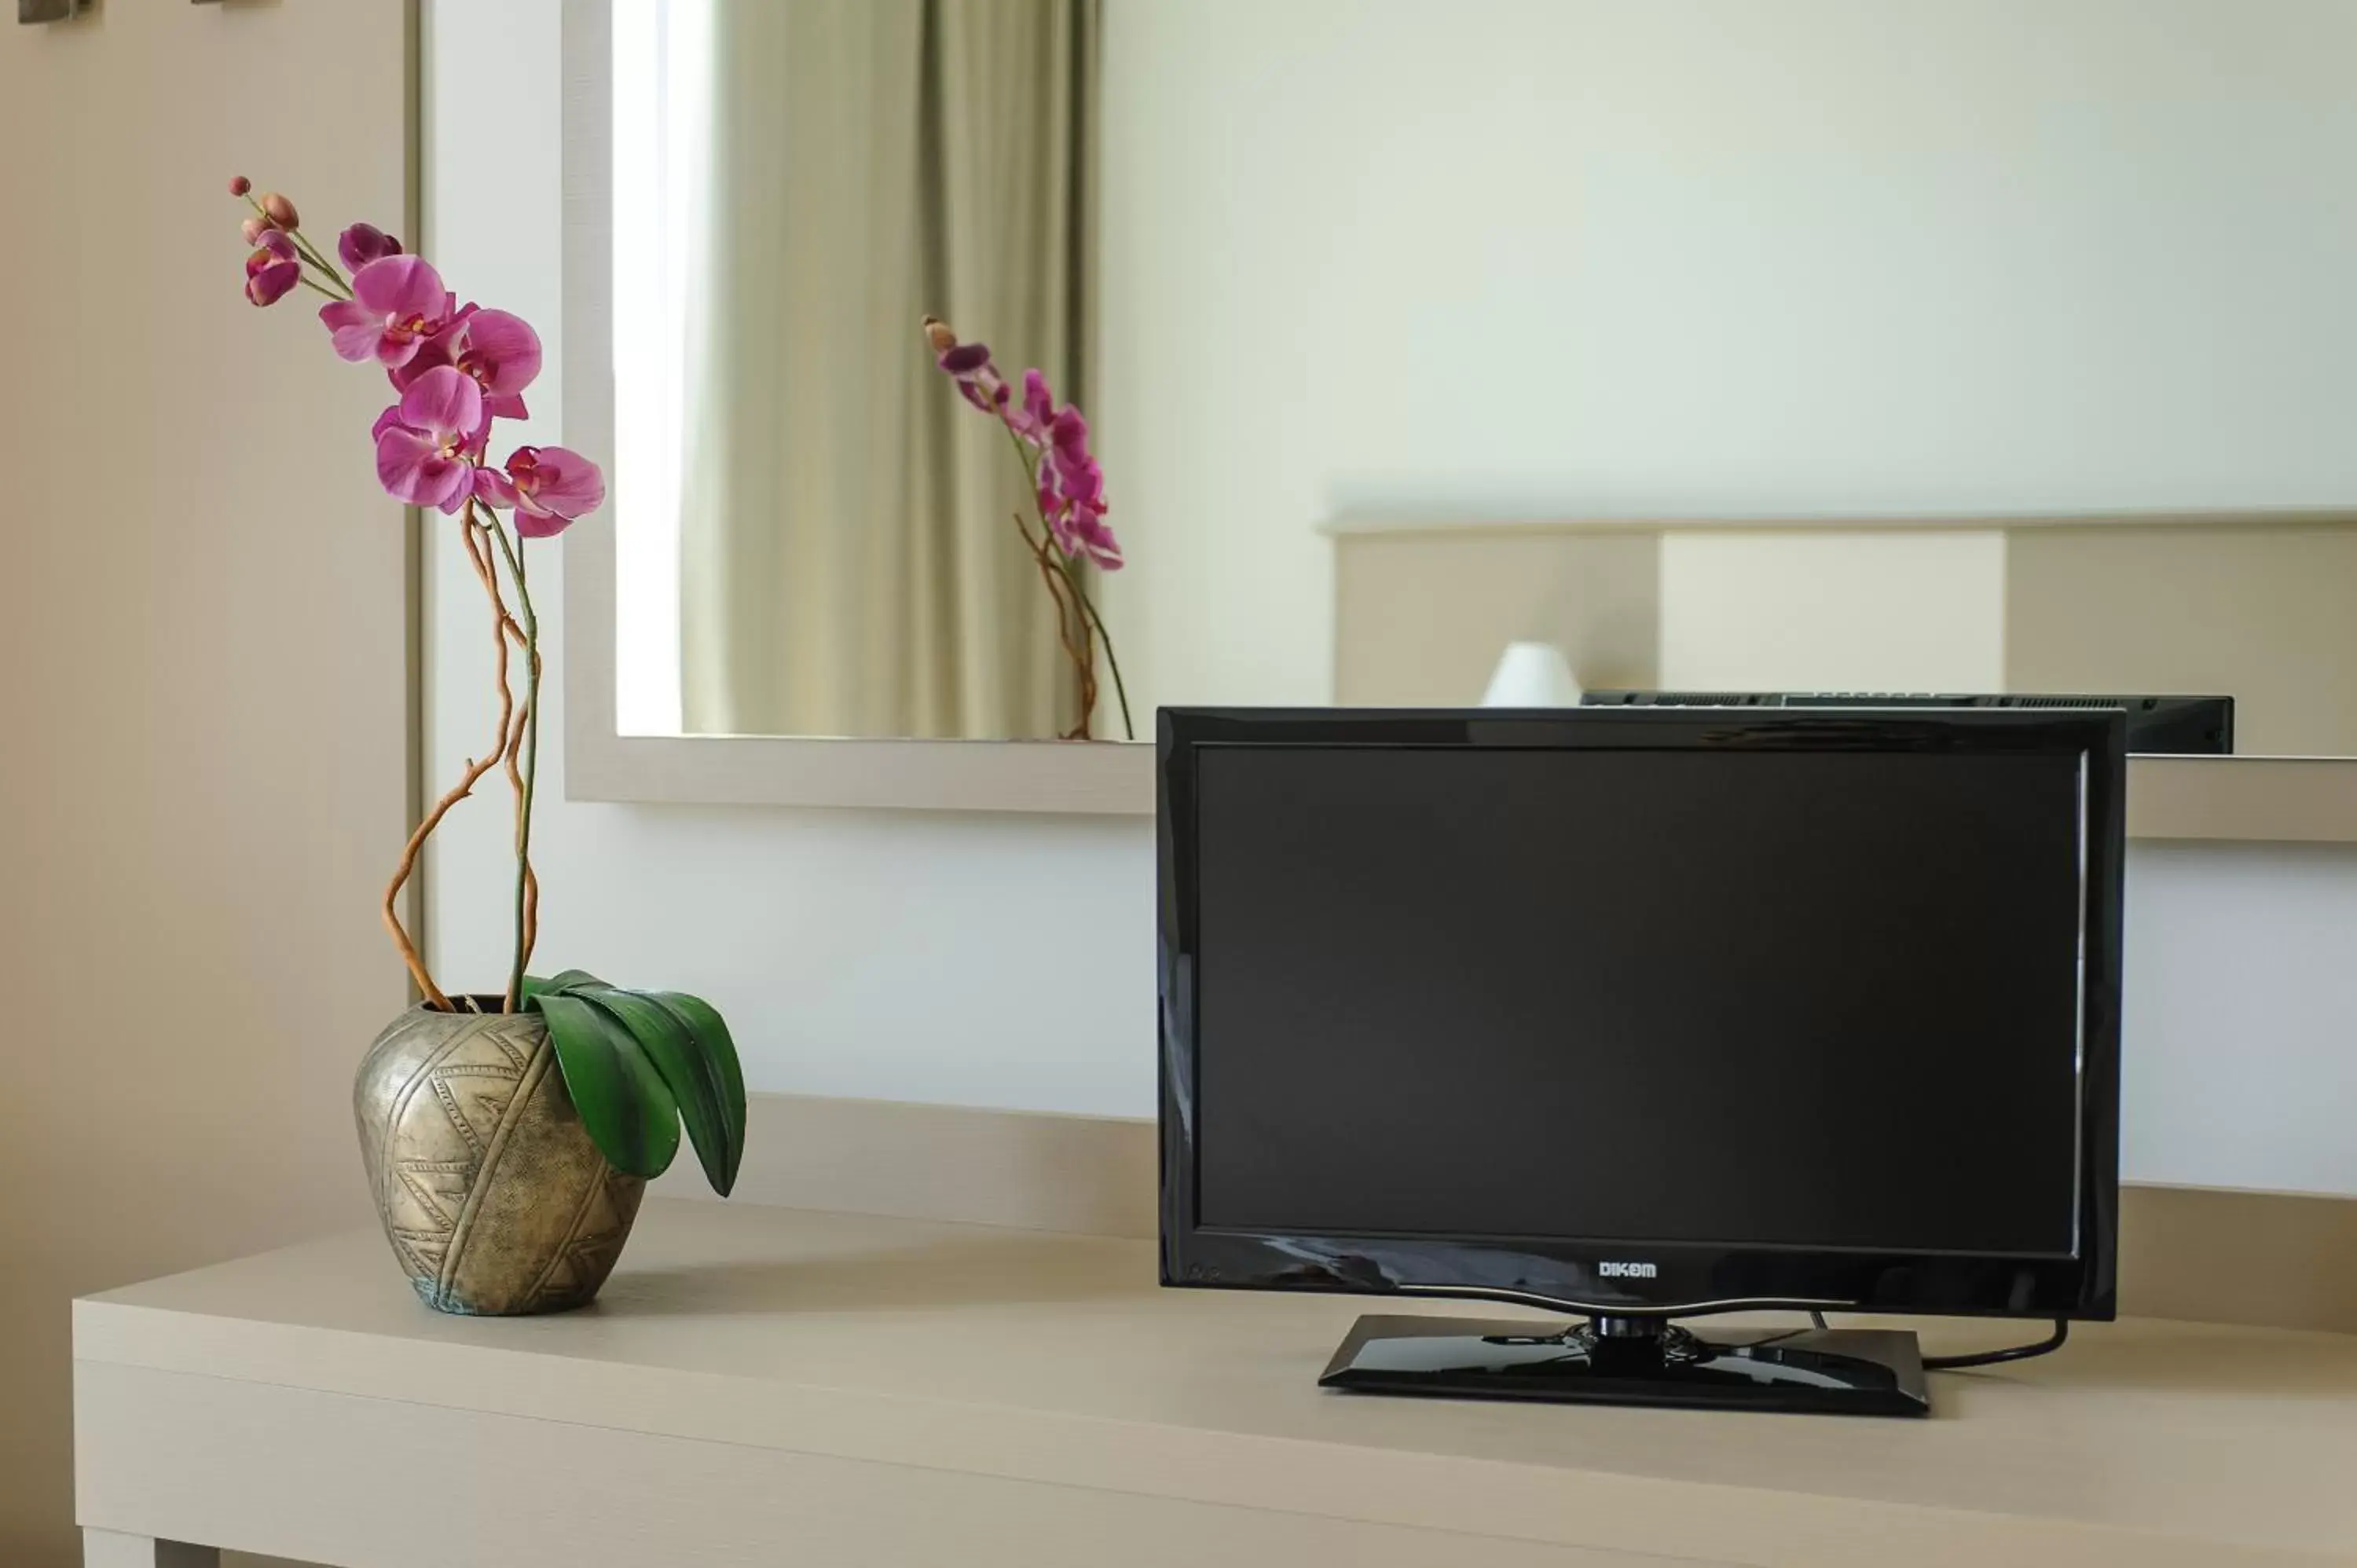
(1634, 1360)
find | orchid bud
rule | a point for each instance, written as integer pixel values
(254, 229)
(365, 243)
(273, 269)
(238, 184)
(938, 334)
(280, 212)
(969, 360)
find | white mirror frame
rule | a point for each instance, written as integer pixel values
(2277, 798)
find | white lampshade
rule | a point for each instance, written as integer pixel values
(1532, 675)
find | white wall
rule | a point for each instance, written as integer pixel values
(2240, 1063)
(1526, 258)
(1008, 960)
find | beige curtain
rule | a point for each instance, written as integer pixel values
(849, 562)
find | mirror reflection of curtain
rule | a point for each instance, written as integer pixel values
(849, 562)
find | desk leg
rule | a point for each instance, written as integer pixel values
(105, 1549)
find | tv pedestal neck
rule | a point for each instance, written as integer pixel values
(1634, 1360)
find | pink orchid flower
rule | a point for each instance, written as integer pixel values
(397, 303)
(1053, 445)
(1071, 492)
(1071, 482)
(499, 351)
(273, 269)
(1095, 541)
(549, 487)
(365, 243)
(428, 442)
(1031, 419)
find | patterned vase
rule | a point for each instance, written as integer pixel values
(494, 1198)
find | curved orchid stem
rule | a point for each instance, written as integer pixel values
(311, 254)
(517, 737)
(527, 894)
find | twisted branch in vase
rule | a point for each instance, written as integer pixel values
(502, 750)
(1088, 608)
(1073, 630)
(518, 734)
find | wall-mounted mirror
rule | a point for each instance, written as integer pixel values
(1817, 345)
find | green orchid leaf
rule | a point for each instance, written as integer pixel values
(571, 980)
(627, 1110)
(712, 1037)
(676, 1046)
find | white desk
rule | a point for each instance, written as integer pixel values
(765, 1386)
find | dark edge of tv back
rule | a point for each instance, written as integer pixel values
(2157, 725)
(1566, 1274)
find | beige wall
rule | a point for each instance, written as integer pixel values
(2268, 613)
(2264, 610)
(1905, 610)
(202, 692)
(1421, 617)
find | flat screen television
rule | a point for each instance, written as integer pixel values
(1644, 1013)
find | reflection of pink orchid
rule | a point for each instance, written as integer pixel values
(397, 302)
(1068, 486)
(273, 269)
(969, 365)
(547, 486)
(499, 351)
(1071, 493)
(424, 443)
(1071, 485)
(365, 243)
(1031, 420)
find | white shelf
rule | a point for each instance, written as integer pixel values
(758, 1381)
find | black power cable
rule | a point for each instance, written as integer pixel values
(2052, 1342)
(2046, 1346)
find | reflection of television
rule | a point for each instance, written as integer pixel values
(2158, 726)
(1641, 1014)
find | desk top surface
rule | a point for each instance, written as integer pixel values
(1057, 1357)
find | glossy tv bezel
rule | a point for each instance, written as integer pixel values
(1567, 1272)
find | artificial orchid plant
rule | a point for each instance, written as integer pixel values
(635, 1062)
(1066, 485)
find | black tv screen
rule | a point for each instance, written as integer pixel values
(1794, 999)
(1789, 1007)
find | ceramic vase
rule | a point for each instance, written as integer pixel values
(494, 1198)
